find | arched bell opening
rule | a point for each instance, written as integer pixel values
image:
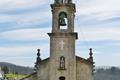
(63, 21)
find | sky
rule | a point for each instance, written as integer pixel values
(24, 25)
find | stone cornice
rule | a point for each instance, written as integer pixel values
(57, 34)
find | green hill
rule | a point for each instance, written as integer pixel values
(16, 68)
(111, 73)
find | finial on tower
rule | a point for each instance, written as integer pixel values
(91, 60)
(38, 54)
(37, 60)
(91, 55)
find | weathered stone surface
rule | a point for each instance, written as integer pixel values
(84, 70)
(43, 72)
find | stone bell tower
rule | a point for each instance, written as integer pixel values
(62, 41)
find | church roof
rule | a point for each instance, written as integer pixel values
(87, 61)
(44, 60)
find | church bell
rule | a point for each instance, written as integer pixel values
(62, 22)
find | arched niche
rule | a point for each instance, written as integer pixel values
(62, 63)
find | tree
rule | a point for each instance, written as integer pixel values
(5, 70)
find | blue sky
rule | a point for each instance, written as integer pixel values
(24, 25)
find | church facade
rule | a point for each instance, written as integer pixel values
(63, 64)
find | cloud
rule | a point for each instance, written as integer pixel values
(34, 17)
(40, 16)
(24, 51)
(26, 34)
(105, 59)
(98, 9)
(18, 4)
(99, 33)
(24, 55)
(24, 13)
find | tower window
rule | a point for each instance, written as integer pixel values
(63, 21)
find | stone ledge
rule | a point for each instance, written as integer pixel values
(64, 34)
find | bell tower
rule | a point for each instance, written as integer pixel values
(63, 13)
(62, 41)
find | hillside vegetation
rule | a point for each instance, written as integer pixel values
(17, 69)
(111, 73)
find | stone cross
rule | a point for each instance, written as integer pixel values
(62, 44)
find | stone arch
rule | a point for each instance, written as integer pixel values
(63, 21)
(62, 63)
